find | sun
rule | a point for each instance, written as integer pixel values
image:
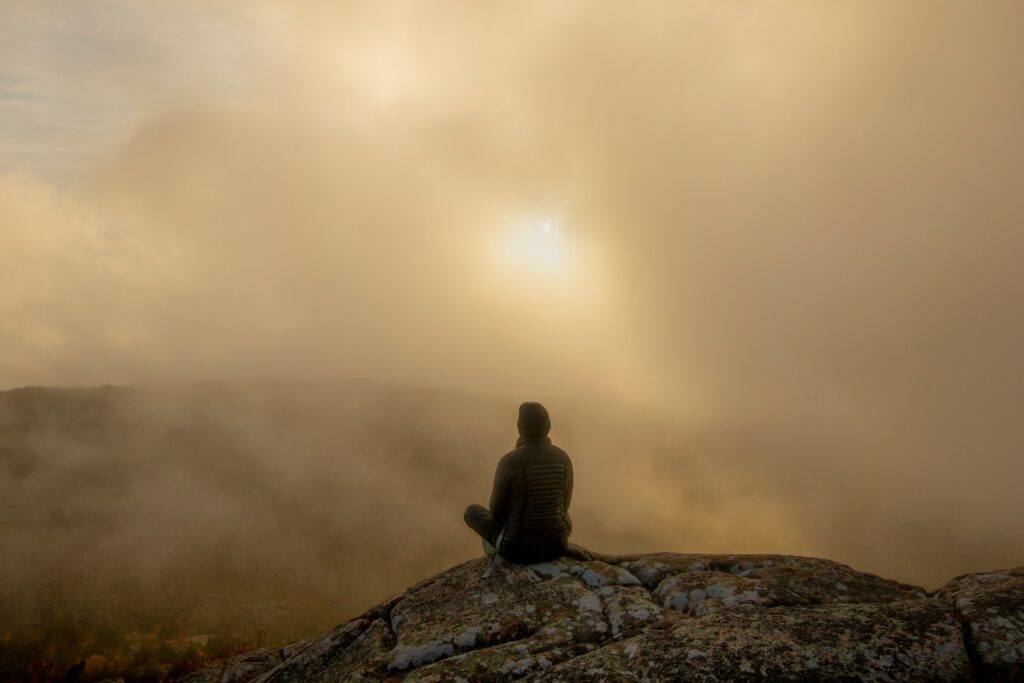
(538, 247)
(555, 268)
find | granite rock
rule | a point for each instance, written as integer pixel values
(671, 617)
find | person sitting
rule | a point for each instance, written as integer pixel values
(528, 520)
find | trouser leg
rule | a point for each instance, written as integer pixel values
(480, 520)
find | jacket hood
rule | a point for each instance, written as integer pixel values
(534, 422)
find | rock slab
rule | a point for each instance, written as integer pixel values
(665, 617)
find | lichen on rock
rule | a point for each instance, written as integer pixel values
(990, 606)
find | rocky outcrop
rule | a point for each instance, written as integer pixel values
(666, 617)
(990, 606)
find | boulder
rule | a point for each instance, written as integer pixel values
(990, 606)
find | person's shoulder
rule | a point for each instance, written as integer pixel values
(509, 457)
(557, 452)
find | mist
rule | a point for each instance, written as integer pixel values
(782, 311)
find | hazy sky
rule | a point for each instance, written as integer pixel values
(805, 214)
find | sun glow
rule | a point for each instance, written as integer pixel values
(554, 271)
(537, 247)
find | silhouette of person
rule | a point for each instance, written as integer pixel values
(531, 496)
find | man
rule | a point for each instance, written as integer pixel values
(531, 496)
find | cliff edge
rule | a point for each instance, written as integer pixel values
(678, 617)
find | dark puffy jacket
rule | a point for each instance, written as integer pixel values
(533, 488)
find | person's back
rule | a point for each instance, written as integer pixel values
(538, 488)
(531, 495)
